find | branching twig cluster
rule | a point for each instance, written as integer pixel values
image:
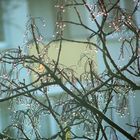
(86, 98)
